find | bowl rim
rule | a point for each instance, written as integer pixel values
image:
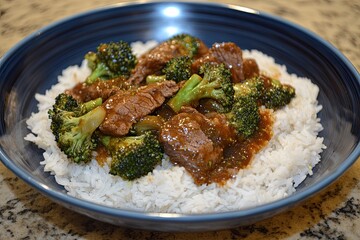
(174, 217)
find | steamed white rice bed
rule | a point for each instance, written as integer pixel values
(273, 174)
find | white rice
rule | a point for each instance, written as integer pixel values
(273, 174)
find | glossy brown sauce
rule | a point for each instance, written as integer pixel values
(102, 155)
(250, 68)
(238, 155)
(235, 156)
(104, 89)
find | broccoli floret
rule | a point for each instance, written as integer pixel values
(269, 92)
(73, 125)
(111, 60)
(215, 84)
(190, 43)
(92, 62)
(244, 116)
(64, 102)
(178, 69)
(253, 87)
(277, 95)
(133, 156)
(147, 123)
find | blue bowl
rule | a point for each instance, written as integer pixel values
(33, 65)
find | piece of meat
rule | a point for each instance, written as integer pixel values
(206, 58)
(196, 141)
(229, 54)
(203, 49)
(127, 107)
(186, 143)
(154, 60)
(103, 89)
(214, 125)
(250, 68)
(225, 134)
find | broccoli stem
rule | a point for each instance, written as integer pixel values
(75, 136)
(120, 143)
(91, 60)
(90, 105)
(91, 120)
(185, 96)
(155, 78)
(148, 123)
(101, 70)
(105, 140)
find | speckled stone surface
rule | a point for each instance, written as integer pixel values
(332, 214)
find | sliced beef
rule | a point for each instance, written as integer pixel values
(229, 54)
(203, 49)
(154, 60)
(224, 134)
(206, 58)
(103, 89)
(250, 68)
(195, 141)
(186, 143)
(214, 125)
(127, 107)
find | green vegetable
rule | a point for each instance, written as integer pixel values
(244, 116)
(148, 123)
(73, 125)
(253, 87)
(251, 93)
(111, 60)
(133, 156)
(269, 92)
(178, 69)
(215, 84)
(155, 78)
(190, 43)
(277, 95)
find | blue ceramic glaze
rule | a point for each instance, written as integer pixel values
(33, 66)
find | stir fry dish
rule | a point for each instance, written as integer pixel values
(206, 109)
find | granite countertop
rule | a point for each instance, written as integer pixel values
(332, 214)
